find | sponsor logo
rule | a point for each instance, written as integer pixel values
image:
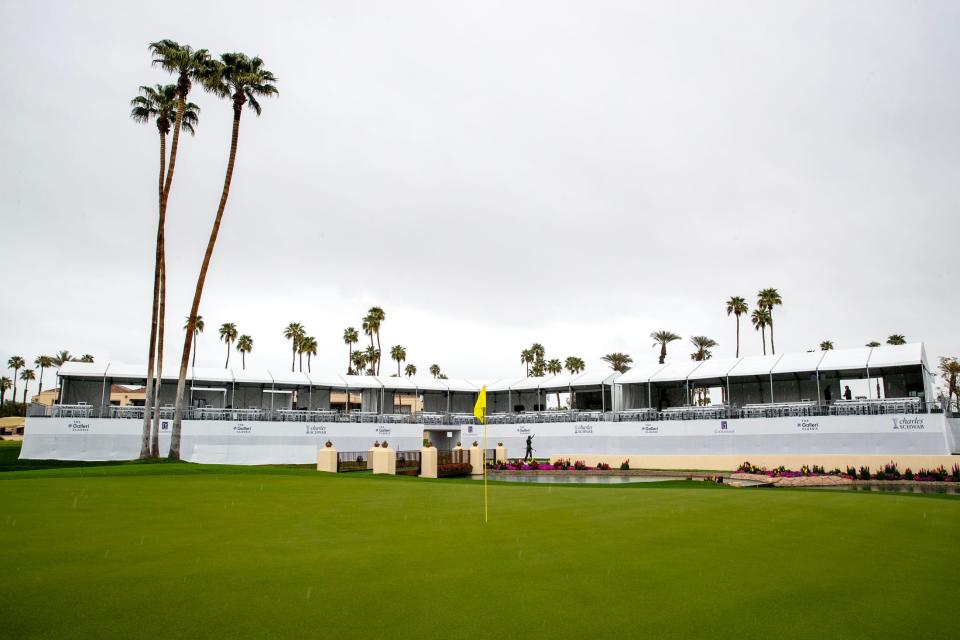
(316, 430)
(908, 424)
(580, 429)
(242, 428)
(470, 429)
(724, 428)
(723, 425)
(78, 426)
(650, 428)
(164, 425)
(523, 430)
(383, 430)
(806, 425)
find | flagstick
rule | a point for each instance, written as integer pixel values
(486, 516)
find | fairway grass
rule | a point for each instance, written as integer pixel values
(195, 551)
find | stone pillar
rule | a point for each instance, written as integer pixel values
(501, 453)
(385, 460)
(370, 453)
(327, 459)
(476, 461)
(428, 462)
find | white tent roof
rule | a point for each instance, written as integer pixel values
(840, 359)
(84, 369)
(714, 368)
(123, 370)
(428, 383)
(903, 355)
(561, 381)
(596, 378)
(675, 371)
(797, 362)
(531, 383)
(205, 374)
(459, 385)
(503, 385)
(326, 379)
(397, 383)
(362, 382)
(252, 376)
(640, 373)
(754, 366)
(291, 378)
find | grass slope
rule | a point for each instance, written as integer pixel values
(179, 550)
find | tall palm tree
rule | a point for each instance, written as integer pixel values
(26, 375)
(16, 363)
(294, 332)
(359, 362)
(374, 319)
(768, 299)
(527, 358)
(554, 367)
(243, 80)
(760, 319)
(872, 343)
(198, 327)
(350, 338)
(410, 370)
(61, 357)
(372, 358)
(619, 362)
(308, 345)
(663, 338)
(575, 365)
(5, 384)
(399, 354)
(950, 370)
(189, 66)
(42, 362)
(435, 370)
(896, 339)
(244, 346)
(86, 358)
(228, 333)
(826, 345)
(737, 306)
(702, 346)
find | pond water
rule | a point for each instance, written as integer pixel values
(939, 487)
(572, 479)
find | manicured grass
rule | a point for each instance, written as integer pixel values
(178, 550)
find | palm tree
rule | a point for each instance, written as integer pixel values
(575, 365)
(896, 339)
(826, 345)
(527, 358)
(410, 370)
(435, 370)
(228, 333)
(372, 355)
(760, 319)
(42, 362)
(308, 345)
(350, 338)
(554, 367)
(359, 362)
(244, 346)
(768, 299)
(86, 358)
(399, 354)
(26, 375)
(16, 363)
(619, 362)
(872, 343)
(702, 344)
(5, 384)
(374, 318)
(737, 306)
(61, 357)
(198, 327)
(243, 80)
(950, 370)
(663, 338)
(294, 333)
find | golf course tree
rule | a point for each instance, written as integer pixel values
(294, 332)
(826, 345)
(42, 362)
(872, 343)
(767, 299)
(242, 80)
(435, 370)
(702, 346)
(410, 370)
(308, 345)
(760, 319)
(244, 346)
(5, 385)
(574, 365)
(950, 370)
(896, 339)
(187, 65)
(619, 362)
(16, 363)
(86, 358)
(359, 359)
(663, 338)
(371, 357)
(228, 333)
(350, 338)
(26, 375)
(372, 323)
(198, 327)
(399, 354)
(62, 357)
(737, 306)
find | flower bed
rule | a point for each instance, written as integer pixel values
(454, 469)
(558, 465)
(889, 471)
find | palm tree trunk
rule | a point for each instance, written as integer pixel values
(398, 368)
(226, 364)
(198, 292)
(663, 352)
(196, 334)
(14, 396)
(243, 359)
(40, 390)
(379, 353)
(763, 336)
(293, 360)
(155, 430)
(25, 387)
(738, 334)
(349, 358)
(773, 350)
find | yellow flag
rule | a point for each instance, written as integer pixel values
(480, 409)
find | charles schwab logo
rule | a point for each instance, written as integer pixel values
(316, 429)
(806, 425)
(724, 428)
(78, 426)
(907, 424)
(579, 429)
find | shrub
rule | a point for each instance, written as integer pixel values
(805, 470)
(385, 444)
(328, 444)
(881, 475)
(499, 444)
(891, 471)
(908, 474)
(864, 473)
(580, 465)
(475, 443)
(836, 471)
(562, 464)
(625, 465)
(851, 471)
(454, 469)
(377, 444)
(603, 466)
(817, 470)
(955, 473)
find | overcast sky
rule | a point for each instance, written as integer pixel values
(491, 174)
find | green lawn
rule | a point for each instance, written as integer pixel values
(191, 551)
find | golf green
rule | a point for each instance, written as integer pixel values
(191, 551)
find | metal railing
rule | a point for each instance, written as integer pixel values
(408, 463)
(352, 461)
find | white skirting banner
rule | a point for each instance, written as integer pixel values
(227, 442)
